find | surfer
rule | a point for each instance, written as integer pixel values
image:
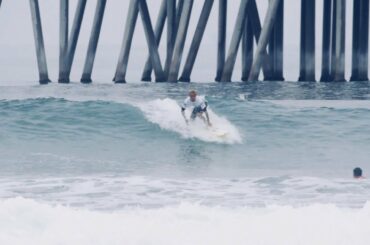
(199, 108)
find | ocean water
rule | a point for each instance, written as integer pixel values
(116, 164)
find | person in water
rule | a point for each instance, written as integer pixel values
(357, 173)
(199, 106)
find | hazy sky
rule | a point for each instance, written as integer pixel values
(18, 59)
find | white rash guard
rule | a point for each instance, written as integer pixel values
(199, 102)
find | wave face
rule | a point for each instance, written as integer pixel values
(119, 165)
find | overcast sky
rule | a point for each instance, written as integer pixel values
(18, 59)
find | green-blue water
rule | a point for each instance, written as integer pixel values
(116, 164)
(107, 129)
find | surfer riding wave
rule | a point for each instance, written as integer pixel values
(199, 106)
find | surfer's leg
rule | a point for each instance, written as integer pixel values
(195, 112)
(201, 116)
(205, 119)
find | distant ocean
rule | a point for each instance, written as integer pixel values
(116, 164)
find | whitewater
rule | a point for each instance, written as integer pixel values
(112, 164)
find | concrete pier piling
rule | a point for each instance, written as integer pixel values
(93, 42)
(275, 47)
(364, 42)
(75, 32)
(198, 36)
(263, 41)
(308, 39)
(326, 41)
(356, 39)
(179, 8)
(63, 41)
(39, 42)
(253, 15)
(333, 40)
(133, 11)
(235, 41)
(171, 33)
(180, 41)
(338, 65)
(360, 40)
(158, 30)
(221, 44)
(151, 41)
(247, 49)
(262, 46)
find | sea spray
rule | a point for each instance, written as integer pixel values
(166, 113)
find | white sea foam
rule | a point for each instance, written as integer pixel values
(118, 192)
(25, 221)
(336, 104)
(166, 113)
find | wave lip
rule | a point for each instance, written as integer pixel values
(24, 221)
(166, 113)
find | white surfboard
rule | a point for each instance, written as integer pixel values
(219, 132)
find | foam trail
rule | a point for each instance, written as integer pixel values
(24, 221)
(166, 113)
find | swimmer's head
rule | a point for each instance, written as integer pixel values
(357, 173)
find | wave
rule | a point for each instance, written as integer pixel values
(48, 115)
(24, 221)
(166, 113)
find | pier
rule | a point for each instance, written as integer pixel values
(260, 41)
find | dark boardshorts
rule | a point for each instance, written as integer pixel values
(198, 109)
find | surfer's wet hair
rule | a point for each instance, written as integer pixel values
(192, 92)
(357, 172)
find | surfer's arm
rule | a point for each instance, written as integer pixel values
(183, 114)
(207, 117)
